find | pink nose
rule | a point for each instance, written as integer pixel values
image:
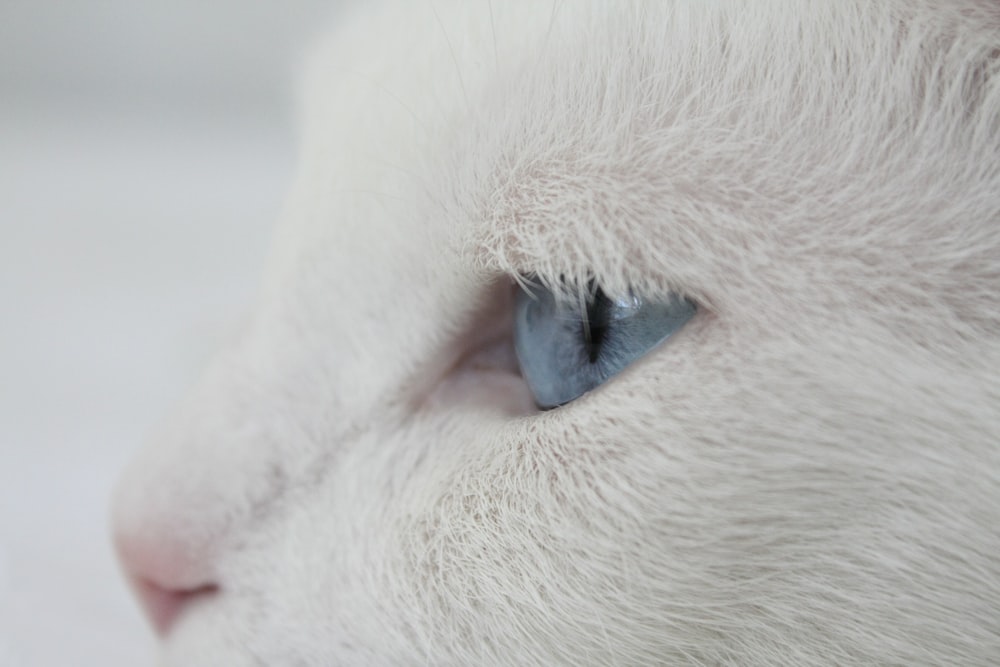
(168, 573)
(164, 606)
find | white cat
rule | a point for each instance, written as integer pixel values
(806, 472)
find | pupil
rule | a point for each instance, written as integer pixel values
(595, 324)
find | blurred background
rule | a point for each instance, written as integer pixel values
(145, 149)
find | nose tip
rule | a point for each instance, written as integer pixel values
(167, 573)
(164, 606)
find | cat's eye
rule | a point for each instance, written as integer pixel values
(565, 349)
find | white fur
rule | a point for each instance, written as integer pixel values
(809, 473)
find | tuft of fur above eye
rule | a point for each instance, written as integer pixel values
(565, 349)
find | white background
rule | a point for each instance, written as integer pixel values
(145, 148)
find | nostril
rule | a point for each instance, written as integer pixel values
(169, 569)
(163, 606)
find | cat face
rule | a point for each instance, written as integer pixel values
(805, 472)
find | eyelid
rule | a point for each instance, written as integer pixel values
(566, 292)
(568, 297)
(622, 307)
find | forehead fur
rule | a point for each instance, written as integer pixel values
(710, 148)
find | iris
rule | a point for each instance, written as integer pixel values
(565, 349)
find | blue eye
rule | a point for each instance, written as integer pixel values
(565, 349)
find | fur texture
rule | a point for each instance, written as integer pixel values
(807, 474)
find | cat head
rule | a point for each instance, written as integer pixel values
(806, 471)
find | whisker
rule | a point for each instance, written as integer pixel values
(454, 59)
(417, 178)
(380, 87)
(548, 32)
(493, 31)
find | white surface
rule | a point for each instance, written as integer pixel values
(128, 248)
(144, 155)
